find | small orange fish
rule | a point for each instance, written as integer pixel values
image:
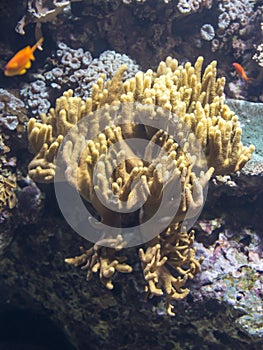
(240, 70)
(22, 60)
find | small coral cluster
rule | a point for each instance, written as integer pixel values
(234, 23)
(190, 6)
(75, 68)
(13, 121)
(232, 26)
(36, 96)
(172, 250)
(7, 197)
(103, 260)
(186, 96)
(184, 6)
(12, 113)
(258, 56)
(16, 191)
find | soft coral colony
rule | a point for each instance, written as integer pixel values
(196, 98)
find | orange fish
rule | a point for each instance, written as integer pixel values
(241, 71)
(22, 60)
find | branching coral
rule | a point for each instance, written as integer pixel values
(103, 260)
(172, 252)
(8, 186)
(7, 194)
(110, 175)
(13, 121)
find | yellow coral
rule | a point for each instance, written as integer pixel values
(7, 194)
(112, 179)
(102, 259)
(194, 98)
(172, 252)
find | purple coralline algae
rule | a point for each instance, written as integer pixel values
(232, 273)
(30, 202)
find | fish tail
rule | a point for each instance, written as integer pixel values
(38, 44)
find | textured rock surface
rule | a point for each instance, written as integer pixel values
(223, 309)
(251, 119)
(225, 304)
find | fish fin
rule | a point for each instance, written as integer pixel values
(249, 81)
(28, 64)
(21, 72)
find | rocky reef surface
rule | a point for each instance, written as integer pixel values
(47, 304)
(224, 307)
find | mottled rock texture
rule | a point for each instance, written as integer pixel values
(223, 309)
